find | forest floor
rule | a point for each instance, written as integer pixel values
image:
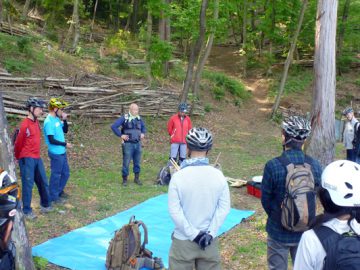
(243, 135)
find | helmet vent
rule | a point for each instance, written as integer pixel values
(347, 196)
(356, 168)
(342, 164)
(349, 186)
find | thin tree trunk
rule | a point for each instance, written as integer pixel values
(93, 20)
(76, 22)
(134, 16)
(148, 44)
(289, 59)
(205, 55)
(340, 40)
(167, 38)
(1, 12)
(26, 9)
(273, 22)
(244, 31)
(195, 51)
(19, 234)
(129, 16)
(322, 141)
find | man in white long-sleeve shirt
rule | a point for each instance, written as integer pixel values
(349, 132)
(199, 201)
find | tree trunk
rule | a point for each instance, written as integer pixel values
(206, 54)
(340, 41)
(76, 23)
(26, 9)
(289, 59)
(273, 23)
(322, 141)
(1, 12)
(134, 17)
(19, 234)
(93, 20)
(148, 44)
(195, 51)
(129, 16)
(244, 34)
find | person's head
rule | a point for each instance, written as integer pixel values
(9, 196)
(134, 109)
(183, 108)
(199, 141)
(340, 192)
(295, 130)
(348, 113)
(57, 106)
(35, 107)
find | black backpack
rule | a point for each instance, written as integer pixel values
(342, 250)
(356, 141)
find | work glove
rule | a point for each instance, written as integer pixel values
(203, 239)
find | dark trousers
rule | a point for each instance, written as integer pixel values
(350, 155)
(131, 151)
(32, 171)
(60, 173)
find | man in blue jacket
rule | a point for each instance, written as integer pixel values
(131, 129)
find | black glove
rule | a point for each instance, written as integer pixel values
(203, 239)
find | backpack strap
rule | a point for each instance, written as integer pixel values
(328, 237)
(284, 160)
(140, 223)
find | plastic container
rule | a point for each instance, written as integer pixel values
(250, 188)
(257, 190)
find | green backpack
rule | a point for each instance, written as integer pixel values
(126, 252)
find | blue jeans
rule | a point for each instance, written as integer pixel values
(60, 173)
(350, 155)
(131, 151)
(278, 252)
(32, 170)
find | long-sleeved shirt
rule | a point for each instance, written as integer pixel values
(199, 200)
(178, 128)
(117, 126)
(273, 191)
(310, 253)
(348, 135)
(28, 140)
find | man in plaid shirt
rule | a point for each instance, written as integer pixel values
(280, 241)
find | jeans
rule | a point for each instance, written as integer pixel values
(278, 252)
(350, 155)
(32, 170)
(176, 148)
(60, 173)
(131, 151)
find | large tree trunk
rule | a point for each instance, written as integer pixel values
(195, 50)
(206, 53)
(289, 59)
(19, 234)
(26, 9)
(93, 20)
(322, 141)
(340, 41)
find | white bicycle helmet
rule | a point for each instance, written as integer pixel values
(341, 179)
(297, 127)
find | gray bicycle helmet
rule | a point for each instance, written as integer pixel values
(297, 127)
(9, 195)
(35, 102)
(183, 107)
(347, 110)
(199, 139)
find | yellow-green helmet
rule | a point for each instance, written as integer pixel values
(58, 103)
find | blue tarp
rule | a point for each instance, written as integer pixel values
(85, 248)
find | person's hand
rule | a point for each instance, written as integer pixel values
(125, 137)
(203, 239)
(64, 116)
(69, 145)
(142, 136)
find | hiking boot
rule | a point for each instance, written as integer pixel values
(46, 210)
(30, 216)
(59, 201)
(64, 195)
(124, 182)
(137, 180)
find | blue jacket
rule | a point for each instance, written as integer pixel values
(133, 128)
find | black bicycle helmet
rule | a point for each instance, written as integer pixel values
(183, 107)
(35, 102)
(347, 110)
(9, 194)
(297, 127)
(199, 139)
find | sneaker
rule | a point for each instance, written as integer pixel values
(59, 201)
(46, 210)
(30, 216)
(64, 195)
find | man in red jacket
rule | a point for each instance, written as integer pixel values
(27, 151)
(178, 127)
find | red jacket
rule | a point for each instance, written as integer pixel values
(178, 129)
(27, 142)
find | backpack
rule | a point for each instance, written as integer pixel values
(14, 136)
(299, 205)
(164, 176)
(7, 257)
(126, 252)
(342, 250)
(356, 141)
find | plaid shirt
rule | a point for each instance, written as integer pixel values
(273, 192)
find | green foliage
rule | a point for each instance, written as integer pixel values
(16, 65)
(208, 107)
(357, 82)
(121, 63)
(345, 101)
(219, 92)
(119, 41)
(40, 263)
(160, 51)
(24, 45)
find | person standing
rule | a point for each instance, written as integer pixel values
(27, 152)
(199, 201)
(349, 132)
(178, 127)
(55, 127)
(280, 240)
(131, 129)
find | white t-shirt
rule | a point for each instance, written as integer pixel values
(310, 253)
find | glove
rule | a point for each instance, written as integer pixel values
(203, 239)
